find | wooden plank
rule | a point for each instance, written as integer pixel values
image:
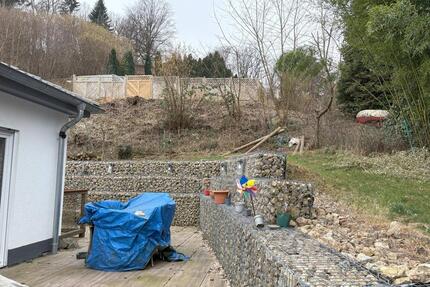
(39, 270)
(77, 272)
(214, 280)
(194, 271)
(64, 270)
(161, 273)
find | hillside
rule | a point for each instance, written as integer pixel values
(137, 125)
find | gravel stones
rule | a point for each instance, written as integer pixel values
(421, 273)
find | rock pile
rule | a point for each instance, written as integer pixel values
(394, 250)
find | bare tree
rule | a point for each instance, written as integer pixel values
(325, 40)
(9, 3)
(181, 97)
(270, 27)
(242, 60)
(44, 6)
(37, 43)
(148, 24)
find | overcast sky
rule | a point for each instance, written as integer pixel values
(194, 19)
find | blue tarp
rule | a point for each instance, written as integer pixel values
(126, 234)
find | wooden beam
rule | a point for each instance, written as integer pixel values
(264, 139)
(250, 144)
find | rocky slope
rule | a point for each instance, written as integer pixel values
(395, 250)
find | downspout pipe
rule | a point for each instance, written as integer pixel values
(60, 176)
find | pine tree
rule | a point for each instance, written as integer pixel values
(128, 67)
(148, 65)
(69, 6)
(358, 88)
(100, 16)
(113, 66)
(213, 66)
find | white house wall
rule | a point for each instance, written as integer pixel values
(32, 200)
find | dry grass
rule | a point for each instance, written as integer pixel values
(394, 197)
(339, 132)
(139, 123)
(412, 164)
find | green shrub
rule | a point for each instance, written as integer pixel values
(125, 152)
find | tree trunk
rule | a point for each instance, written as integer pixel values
(318, 132)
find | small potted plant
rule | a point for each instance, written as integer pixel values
(206, 184)
(206, 192)
(283, 217)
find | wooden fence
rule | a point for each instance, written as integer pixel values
(106, 88)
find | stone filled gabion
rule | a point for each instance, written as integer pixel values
(122, 180)
(274, 196)
(116, 184)
(261, 165)
(277, 196)
(197, 169)
(187, 206)
(261, 257)
(71, 210)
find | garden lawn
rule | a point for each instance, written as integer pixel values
(397, 198)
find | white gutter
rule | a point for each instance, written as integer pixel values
(60, 176)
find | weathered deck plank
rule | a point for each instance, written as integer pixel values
(64, 270)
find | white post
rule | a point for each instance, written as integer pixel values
(98, 88)
(73, 82)
(125, 85)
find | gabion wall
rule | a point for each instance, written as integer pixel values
(261, 257)
(196, 169)
(258, 165)
(275, 193)
(122, 180)
(274, 196)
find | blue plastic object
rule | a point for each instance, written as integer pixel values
(126, 234)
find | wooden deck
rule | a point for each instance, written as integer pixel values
(64, 270)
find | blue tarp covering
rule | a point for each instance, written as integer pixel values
(126, 234)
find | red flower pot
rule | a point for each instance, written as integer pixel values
(206, 192)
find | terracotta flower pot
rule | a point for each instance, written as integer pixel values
(219, 196)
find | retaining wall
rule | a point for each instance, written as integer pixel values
(275, 194)
(122, 180)
(286, 257)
